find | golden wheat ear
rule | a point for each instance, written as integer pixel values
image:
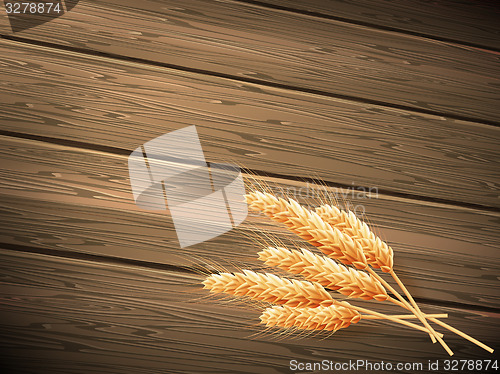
(269, 288)
(378, 253)
(348, 281)
(350, 242)
(330, 318)
(310, 227)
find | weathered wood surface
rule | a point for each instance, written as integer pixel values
(469, 21)
(68, 199)
(307, 53)
(279, 92)
(76, 316)
(116, 104)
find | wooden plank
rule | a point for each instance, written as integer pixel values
(67, 199)
(313, 54)
(59, 314)
(122, 105)
(469, 22)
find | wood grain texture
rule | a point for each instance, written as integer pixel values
(253, 42)
(66, 199)
(122, 105)
(75, 316)
(275, 91)
(466, 21)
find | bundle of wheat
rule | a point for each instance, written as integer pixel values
(306, 304)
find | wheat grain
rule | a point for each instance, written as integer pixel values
(348, 281)
(270, 288)
(330, 318)
(310, 227)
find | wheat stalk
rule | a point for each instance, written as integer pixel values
(408, 316)
(348, 281)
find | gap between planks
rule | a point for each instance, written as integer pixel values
(386, 194)
(129, 263)
(81, 310)
(277, 5)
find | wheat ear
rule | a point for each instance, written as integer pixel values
(328, 273)
(330, 318)
(310, 227)
(348, 281)
(270, 288)
(378, 254)
(329, 239)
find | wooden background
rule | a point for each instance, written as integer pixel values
(399, 96)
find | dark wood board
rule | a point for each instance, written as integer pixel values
(307, 53)
(67, 199)
(102, 102)
(465, 21)
(73, 316)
